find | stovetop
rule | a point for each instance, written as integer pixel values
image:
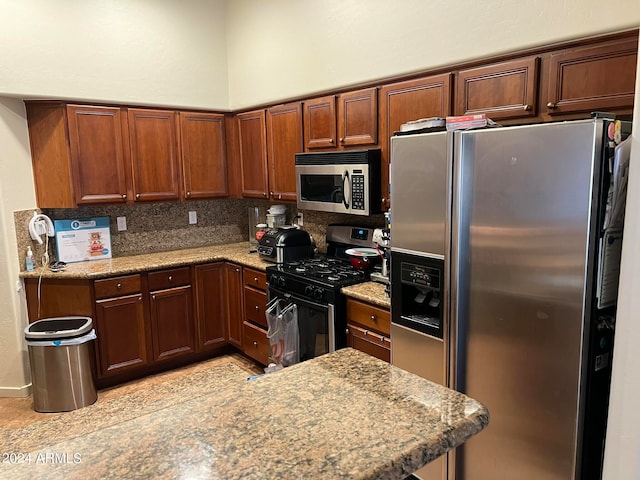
(321, 270)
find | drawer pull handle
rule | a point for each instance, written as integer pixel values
(255, 279)
(119, 286)
(170, 278)
(373, 318)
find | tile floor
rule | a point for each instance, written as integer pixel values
(17, 413)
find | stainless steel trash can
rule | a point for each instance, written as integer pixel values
(61, 352)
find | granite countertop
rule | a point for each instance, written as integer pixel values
(341, 415)
(370, 292)
(234, 252)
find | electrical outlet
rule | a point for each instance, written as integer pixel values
(193, 217)
(300, 219)
(122, 223)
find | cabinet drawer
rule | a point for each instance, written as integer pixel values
(369, 342)
(169, 278)
(117, 286)
(255, 279)
(255, 343)
(254, 305)
(369, 316)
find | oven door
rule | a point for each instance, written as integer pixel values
(333, 188)
(315, 325)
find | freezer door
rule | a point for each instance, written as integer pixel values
(420, 194)
(520, 247)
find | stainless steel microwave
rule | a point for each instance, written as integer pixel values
(339, 182)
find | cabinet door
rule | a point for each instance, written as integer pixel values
(320, 123)
(284, 140)
(172, 323)
(121, 332)
(358, 118)
(211, 313)
(202, 147)
(503, 90)
(253, 154)
(154, 154)
(98, 161)
(405, 101)
(593, 78)
(234, 304)
(256, 343)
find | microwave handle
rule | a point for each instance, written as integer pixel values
(344, 189)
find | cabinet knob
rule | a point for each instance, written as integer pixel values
(255, 344)
(237, 269)
(170, 278)
(153, 296)
(526, 108)
(137, 196)
(188, 194)
(366, 332)
(346, 330)
(257, 308)
(279, 196)
(341, 140)
(264, 194)
(119, 286)
(124, 196)
(331, 140)
(255, 279)
(271, 194)
(551, 105)
(373, 318)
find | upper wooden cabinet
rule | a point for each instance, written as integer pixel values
(355, 125)
(284, 140)
(592, 78)
(503, 90)
(98, 161)
(154, 154)
(405, 101)
(253, 154)
(202, 148)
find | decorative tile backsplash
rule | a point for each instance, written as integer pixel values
(158, 227)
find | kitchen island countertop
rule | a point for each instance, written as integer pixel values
(234, 252)
(341, 415)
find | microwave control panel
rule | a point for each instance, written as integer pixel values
(357, 192)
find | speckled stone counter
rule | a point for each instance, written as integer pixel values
(342, 415)
(370, 292)
(235, 252)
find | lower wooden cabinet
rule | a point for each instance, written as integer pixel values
(172, 323)
(122, 335)
(256, 343)
(369, 329)
(234, 313)
(211, 305)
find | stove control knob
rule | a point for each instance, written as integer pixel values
(308, 291)
(281, 282)
(318, 293)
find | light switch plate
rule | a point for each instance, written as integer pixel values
(122, 223)
(193, 217)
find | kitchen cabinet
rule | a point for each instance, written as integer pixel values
(592, 78)
(123, 339)
(502, 91)
(405, 101)
(234, 312)
(253, 154)
(284, 140)
(254, 328)
(154, 154)
(211, 305)
(369, 329)
(171, 313)
(203, 155)
(347, 120)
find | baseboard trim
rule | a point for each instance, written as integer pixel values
(15, 392)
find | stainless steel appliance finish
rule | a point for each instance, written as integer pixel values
(421, 170)
(527, 336)
(523, 217)
(339, 182)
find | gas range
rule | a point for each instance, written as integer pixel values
(319, 278)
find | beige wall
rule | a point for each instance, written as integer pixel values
(157, 52)
(285, 48)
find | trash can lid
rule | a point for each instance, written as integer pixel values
(60, 327)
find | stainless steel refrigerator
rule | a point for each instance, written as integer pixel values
(527, 284)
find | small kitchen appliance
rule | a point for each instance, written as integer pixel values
(381, 239)
(314, 284)
(284, 244)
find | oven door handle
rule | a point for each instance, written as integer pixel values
(344, 189)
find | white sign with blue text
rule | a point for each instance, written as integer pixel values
(83, 239)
